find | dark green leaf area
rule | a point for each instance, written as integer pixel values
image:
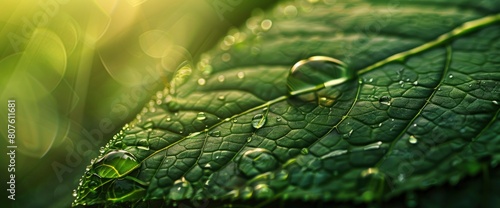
(421, 110)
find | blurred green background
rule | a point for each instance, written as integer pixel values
(79, 70)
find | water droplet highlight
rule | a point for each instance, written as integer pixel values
(201, 116)
(266, 24)
(258, 121)
(315, 73)
(412, 140)
(385, 100)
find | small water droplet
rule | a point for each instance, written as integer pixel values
(258, 121)
(262, 191)
(370, 80)
(415, 83)
(316, 72)
(181, 189)
(412, 140)
(168, 119)
(278, 119)
(327, 102)
(266, 24)
(241, 75)
(215, 133)
(201, 81)
(385, 100)
(450, 76)
(249, 139)
(304, 151)
(201, 116)
(495, 102)
(74, 193)
(221, 97)
(221, 78)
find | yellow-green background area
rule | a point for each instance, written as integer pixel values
(79, 70)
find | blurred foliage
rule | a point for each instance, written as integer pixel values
(80, 69)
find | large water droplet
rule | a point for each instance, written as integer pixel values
(385, 100)
(181, 189)
(315, 73)
(115, 164)
(201, 116)
(257, 161)
(258, 121)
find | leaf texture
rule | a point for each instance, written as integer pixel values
(421, 111)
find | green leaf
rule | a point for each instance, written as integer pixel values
(413, 103)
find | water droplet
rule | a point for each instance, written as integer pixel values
(327, 102)
(201, 81)
(278, 119)
(221, 78)
(262, 191)
(316, 72)
(495, 102)
(266, 24)
(370, 80)
(415, 83)
(257, 161)
(385, 100)
(115, 164)
(450, 76)
(304, 151)
(412, 140)
(249, 139)
(74, 193)
(221, 97)
(258, 121)
(201, 116)
(181, 189)
(215, 133)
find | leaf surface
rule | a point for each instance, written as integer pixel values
(420, 111)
